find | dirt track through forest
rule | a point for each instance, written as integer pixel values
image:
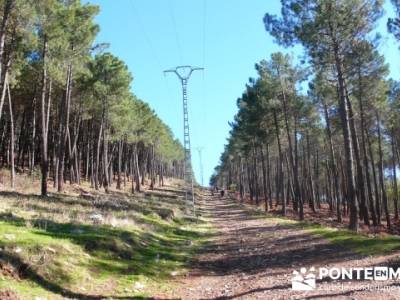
(253, 257)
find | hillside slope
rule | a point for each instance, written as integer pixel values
(89, 245)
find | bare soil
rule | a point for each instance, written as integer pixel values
(8, 295)
(253, 257)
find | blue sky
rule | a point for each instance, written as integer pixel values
(226, 37)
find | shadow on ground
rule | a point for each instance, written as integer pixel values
(253, 255)
(113, 251)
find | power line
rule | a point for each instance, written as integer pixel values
(146, 37)
(204, 31)
(150, 46)
(204, 106)
(199, 150)
(171, 13)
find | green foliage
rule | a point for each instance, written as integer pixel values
(254, 124)
(393, 24)
(322, 25)
(101, 82)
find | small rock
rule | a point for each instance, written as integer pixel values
(67, 249)
(96, 218)
(9, 236)
(139, 286)
(51, 250)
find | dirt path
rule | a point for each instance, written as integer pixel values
(251, 257)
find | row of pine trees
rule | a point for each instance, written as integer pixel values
(337, 143)
(66, 106)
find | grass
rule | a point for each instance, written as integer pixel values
(54, 250)
(358, 243)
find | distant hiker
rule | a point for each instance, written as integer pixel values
(222, 193)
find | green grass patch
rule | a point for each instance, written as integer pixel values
(77, 259)
(355, 242)
(358, 243)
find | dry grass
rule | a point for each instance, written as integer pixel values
(101, 245)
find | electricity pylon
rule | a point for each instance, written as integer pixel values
(183, 73)
(199, 150)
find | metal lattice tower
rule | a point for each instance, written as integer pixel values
(183, 73)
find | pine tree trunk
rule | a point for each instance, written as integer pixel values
(12, 139)
(310, 175)
(264, 179)
(255, 175)
(119, 169)
(360, 177)
(8, 5)
(291, 159)
(381, 176)
(132, 171)
(395, 190)
(348, 146)
(44, 146)
(136, 168)
(376, 189)
(96, 171)
(280, 168)
(3, 93)
(365, 156)
(250, 181)
(63, 129)
(105, 158)
(269, 176)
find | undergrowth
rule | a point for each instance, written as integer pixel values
(116, 246)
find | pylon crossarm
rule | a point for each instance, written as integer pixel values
(188, 172)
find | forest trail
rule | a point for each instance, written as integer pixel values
(253, 257)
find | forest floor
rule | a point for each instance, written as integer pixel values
(252, 256)
(327, 217)
(86, 244)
